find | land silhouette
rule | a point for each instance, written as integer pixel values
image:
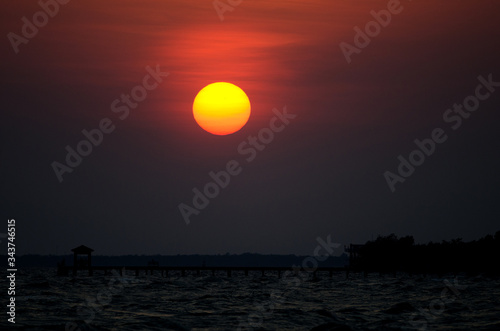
(390, 254)
(386, 254)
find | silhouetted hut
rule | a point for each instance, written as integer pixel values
(82, 263)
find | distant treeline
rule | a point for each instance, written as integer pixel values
(390, 253)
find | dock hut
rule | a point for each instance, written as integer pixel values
(82, 263)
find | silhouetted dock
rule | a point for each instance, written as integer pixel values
(85, 264)
(165, 271)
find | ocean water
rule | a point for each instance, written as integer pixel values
(45, 301)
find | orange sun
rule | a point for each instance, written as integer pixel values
(221, 108)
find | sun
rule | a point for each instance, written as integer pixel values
(221, 108)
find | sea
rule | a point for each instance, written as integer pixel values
(45, 301)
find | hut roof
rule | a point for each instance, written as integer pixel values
(82, 249)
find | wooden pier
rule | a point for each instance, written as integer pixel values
(165, 271)
(85, 264)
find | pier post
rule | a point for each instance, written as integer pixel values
(246, 272)
(229, 272)
(89, 263)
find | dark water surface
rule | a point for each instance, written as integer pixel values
(45, 301)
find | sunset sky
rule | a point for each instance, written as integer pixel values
(323, 174)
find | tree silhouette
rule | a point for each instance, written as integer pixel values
(390, 254)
